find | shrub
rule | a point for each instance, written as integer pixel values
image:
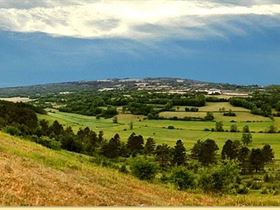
(115, 119)
(144, 169)
(268, 178)
(170, 127)
(49, 143)
(12, 130)
(256, 185)
(182, 178)
(220, 179)
(265, 191)
(164, 178)
(123, 169)
(242, 189)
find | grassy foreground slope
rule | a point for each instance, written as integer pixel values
(36, 176)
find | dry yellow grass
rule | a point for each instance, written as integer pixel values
(36, 176)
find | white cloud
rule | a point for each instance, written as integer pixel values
(134, 19)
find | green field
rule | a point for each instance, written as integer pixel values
(188, 131)
(33, 175)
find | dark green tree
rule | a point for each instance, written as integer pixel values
(70, 143)
(207, 152)
(243, 158)
(233, 128)
(100, 138)
(272, 129)
(56, 128)
(209, 116)
(246, 129)
(256, 160)
(267, 153)
(163, 155)
(113, 148)
(149, 146)
(179, 153)
(246, 138)
(231, 150)
(135, 144)
(69, 131)
(196, 150)
(44, 125)
(219, 126)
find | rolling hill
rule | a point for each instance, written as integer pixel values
(32, 175)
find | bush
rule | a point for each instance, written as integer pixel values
(242, 189)
(182, 178)
(256, 185)
(144, 169)
(164, 178)
(220, 179)
(12, 131)
(265, 191)
(123, 169)
(49, 143)
(170, 127)
(267, 178)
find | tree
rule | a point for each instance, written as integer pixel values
(196, 150)
(205, 151)
(209, 116)
(246, 138)
(100, 137)
(149, 146)
(91, 142)
(267, 153)
(131, 125)
(70, 143)
(230, 150)
(246, 129)
(256, 160)
(135, 144)
(44, 127)
(113, 148)
(233, 128)
(69, 130)
(115, 119)
(243, 158)
(219, 126)
(272, 129)
(179, 153)
(56, 128)
(163, 155)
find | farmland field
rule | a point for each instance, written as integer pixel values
(188, 131)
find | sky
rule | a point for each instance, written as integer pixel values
(230, 41)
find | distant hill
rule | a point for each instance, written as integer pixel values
(126, 83)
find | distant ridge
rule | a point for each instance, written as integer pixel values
(85, 85)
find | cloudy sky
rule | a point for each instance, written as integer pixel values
(233, 41)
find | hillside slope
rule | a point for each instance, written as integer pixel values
(36, 176)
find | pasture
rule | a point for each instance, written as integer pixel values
(188, 131)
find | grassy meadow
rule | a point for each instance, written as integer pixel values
(33, 175)
(188, 131)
